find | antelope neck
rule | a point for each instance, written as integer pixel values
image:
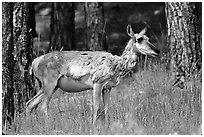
(129, 56)
(128, 60)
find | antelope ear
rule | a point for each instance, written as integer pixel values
(143, 31)
(131, 33)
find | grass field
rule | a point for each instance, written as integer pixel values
(146, 103)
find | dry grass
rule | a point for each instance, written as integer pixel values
(143, 104)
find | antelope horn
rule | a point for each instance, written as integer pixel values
(131, 33)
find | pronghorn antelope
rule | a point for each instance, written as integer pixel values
(76, 71)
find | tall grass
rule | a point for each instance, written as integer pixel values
(146, 103)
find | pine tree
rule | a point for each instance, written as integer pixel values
(184, 42)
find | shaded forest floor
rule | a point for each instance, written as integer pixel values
(146, 103)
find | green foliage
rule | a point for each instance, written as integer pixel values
(146, 103)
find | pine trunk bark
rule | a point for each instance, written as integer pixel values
(184, 41)
(96, 36)
(62, 26)
(7, 63)
(23, 82)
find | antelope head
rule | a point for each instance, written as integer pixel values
(141, 42)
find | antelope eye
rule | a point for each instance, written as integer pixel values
(140, 39)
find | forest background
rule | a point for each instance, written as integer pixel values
(149, 105)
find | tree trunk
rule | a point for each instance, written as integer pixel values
(184, 42)
(96, 37)
(22, 56)
(7, 62)
(62, 26)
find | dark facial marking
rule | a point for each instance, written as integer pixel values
(140, 39)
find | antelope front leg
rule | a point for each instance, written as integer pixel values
(96, 100)
(106, 102)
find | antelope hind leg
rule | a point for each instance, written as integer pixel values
(33, 102)
(49, 88)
